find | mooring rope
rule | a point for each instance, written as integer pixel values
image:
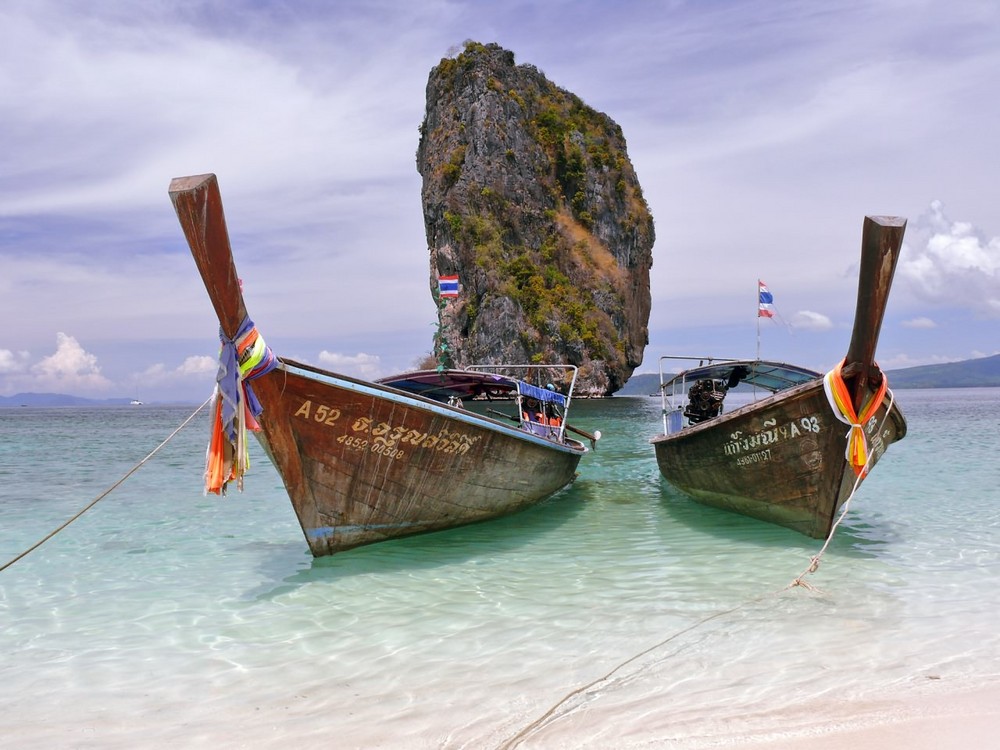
(860, 475)
(798, 581)
(551, 713)
(107, 492)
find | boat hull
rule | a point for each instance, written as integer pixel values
(780, 460)
(363, 463)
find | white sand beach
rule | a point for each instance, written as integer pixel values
(936, 720)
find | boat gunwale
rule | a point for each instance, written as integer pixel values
(739, 411)
(789, 393)
(382, 390)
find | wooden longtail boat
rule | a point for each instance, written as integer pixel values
(362, 461)
(785, 458)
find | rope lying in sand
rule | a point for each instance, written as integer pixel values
(107, 492)
(553, 713)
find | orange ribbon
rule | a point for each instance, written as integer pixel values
(843, 408)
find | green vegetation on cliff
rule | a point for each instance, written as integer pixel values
(530, 198)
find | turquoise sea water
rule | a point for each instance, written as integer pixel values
(616, 615)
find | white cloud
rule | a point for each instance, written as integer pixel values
(70, 369)
(192, 367)
(951, 263)
(13, 362)
(811, 321)
(919, 323)
(361, 365)
(198, 366)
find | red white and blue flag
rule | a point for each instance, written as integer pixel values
(765, 301)
(448, 286)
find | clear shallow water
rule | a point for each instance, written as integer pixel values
(165, 618)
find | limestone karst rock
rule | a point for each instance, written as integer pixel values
(530, 198)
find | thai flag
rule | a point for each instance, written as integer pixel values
(448, 286)
(765, 308)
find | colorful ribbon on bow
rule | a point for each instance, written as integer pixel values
(241, 359)
(843, 408)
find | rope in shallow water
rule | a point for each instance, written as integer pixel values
(860, 475)
(553, 713)
(107, 492)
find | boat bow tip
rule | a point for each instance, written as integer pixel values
(191, 182)
(888, 221)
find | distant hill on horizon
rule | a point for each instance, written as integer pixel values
(982, 372)
(58, 399)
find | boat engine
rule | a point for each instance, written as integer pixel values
(706, 397)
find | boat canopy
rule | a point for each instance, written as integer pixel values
(771, 376)
(446, 385)
(541, 394)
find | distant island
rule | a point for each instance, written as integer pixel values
(970, 373)
(59, 399)
(983, 372)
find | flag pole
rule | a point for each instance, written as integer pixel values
(758, 319)
(765, 308)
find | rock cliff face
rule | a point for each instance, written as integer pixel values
(530, 198)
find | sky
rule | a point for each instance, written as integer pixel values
(761, 134)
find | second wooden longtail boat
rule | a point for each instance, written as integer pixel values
(796, 456)
(363, 461)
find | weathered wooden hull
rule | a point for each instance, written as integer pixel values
(784, 459)
(780, 460)
(363, 463)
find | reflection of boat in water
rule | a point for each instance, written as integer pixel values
(366, 461)
(785, 458)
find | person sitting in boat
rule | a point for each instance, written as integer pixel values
(534, 419)
(532, 412)
(553, 417)
(736, 375)
(705, 400)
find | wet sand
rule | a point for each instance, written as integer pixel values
(936, 720)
